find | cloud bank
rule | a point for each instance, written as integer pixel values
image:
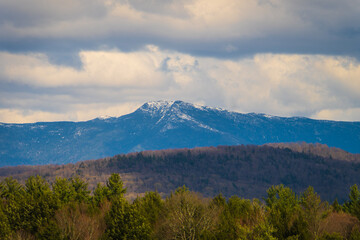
(114, 82)
(77, 59)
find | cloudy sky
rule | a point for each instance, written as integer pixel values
(79, 59)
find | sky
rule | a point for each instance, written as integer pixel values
(75, 60)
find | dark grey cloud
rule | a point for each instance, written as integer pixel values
(173, 8)
(23, 13)
(273, 26)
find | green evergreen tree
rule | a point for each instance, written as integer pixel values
(63, 190)
(40, 204)
(150, 206)
(13, 195)
(100, 194)
(82, 193)
(115, 186)
(5, 229)
(336, 207)
(124, 221)
(354, 203)
(284, 209)
(50, 231)
(11, 188)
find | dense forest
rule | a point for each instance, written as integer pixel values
(244, 170)
(66, 210)
(319, 150)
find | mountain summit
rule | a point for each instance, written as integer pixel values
(163, 125)
(174, 114)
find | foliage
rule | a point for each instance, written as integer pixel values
(186, 215)
(150, 206)
(82, 194)
(13, 196)
(336, 207)
(312, 212)
(100, 194)
(115, 186)
(331, 236)
(284, 209)
(354, 203)
(69, 211)
(40, 204)
(124, 221)
(355, 233)
(5, 229)
(75, 221)
(244, 219)
(63, 190)
(10, 189)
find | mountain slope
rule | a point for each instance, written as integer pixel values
(245, 170)
(163, 125)
(318, 149)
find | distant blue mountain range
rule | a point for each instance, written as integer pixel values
(163, 125)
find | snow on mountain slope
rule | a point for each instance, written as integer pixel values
(161, 125)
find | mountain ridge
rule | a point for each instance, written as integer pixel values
(163, 125)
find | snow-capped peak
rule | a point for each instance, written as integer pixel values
(104, 117)
(174, 113)
(162, 106)
(157, 105)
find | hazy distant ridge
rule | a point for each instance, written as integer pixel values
(163, 125)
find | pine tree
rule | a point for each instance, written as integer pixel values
(124, 221)
(284, 209)
(115, 186)
(354, 204)
(63, 190)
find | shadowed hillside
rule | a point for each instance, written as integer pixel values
(319, 149)
(243, 170)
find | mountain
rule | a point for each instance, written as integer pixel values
(163, 125)
(243, 170)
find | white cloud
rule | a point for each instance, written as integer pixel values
(111, 68)
(78, 112)
(26, 116)
(351, 114)
(115, 82)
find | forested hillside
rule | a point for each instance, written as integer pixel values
(247, 171)
(66, 210)
(319, 150)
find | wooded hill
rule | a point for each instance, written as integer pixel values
(319, 150)
(245, 170)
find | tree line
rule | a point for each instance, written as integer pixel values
(66, 209)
